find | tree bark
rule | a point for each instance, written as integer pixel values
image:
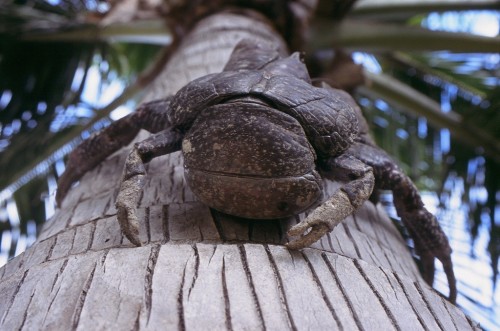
(202, 270)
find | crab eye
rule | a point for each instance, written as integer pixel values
(283, 206)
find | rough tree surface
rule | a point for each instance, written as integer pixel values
(201, 270)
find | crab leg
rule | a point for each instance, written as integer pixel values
(430, 240)
(162, 143)
(340, 205)
(91, 152)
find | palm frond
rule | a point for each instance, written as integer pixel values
(453, 69)
(391, 9)
(408, 99)
(25, 154)
(379, 37)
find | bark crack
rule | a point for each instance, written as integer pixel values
(421, 321)
(377, 294)
(25, 315)
(147, 223)
(448, 311)
(323, 292)
(348, 232)
(180, 304)
(394, 290)
(330, 243)
(56, 278)
(374, 255)
(51, 249)
(227, 309)
(148, 281)
(68, 221)
(343, 291)
(356, 223)
(171, 178)
(103, 259)
(279, 282)
(340, 245)
(428, 305)
(246, 268)
(50, 305)
(61, 270)
(388, 260)
(196, 267)
(107, 205)
(213, 253)
(165, 224)
(91, 237)
(72, 239)
(81, 299)
(18, 287)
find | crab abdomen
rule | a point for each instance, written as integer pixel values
(247, 159)
(256, 197)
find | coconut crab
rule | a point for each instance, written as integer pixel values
(253, 138)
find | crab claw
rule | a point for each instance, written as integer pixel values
(431, 243)
(321, 221)
(129, 223)
(317, 231)
(128, 196)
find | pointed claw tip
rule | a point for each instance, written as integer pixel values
(59, 199)
(294, 245)
(129, 224)
(133, 238)
(133, 235)
(136, 242)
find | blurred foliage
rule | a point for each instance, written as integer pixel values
(41, 98)
(33, 16)
(44, 93)
(38, 78)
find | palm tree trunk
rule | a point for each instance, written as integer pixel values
(201, 270)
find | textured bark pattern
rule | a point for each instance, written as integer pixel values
(202, 270)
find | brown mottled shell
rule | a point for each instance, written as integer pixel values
(329, 121)
(246, 159)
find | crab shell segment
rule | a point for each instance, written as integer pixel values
(329, 121)
(247, 159)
